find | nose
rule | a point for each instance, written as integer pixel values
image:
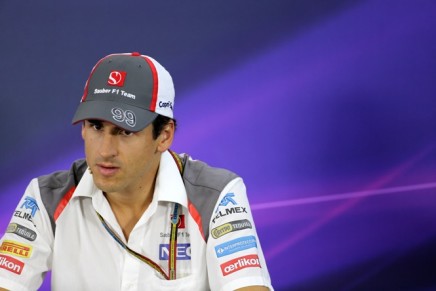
(108, 145)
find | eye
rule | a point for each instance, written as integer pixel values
(95, 124)
(125, 132)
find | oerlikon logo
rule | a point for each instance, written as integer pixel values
(116, 78)
(11, 264)
(240, 263)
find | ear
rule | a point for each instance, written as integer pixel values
(83, 130)
(165, 139)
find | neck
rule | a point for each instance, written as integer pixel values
(129, 207)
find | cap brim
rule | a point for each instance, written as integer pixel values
(125, 116)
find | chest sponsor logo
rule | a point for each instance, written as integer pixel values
(240, 263)
(183, 252)
(116, 78)
(30, 203)
(235, 245)
(16, 249)
(226, 228)
(11, 264)
(181, 221)
(229, 211)
(22, 231)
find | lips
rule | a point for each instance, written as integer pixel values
(107, 169)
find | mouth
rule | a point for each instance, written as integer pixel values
(107, 170)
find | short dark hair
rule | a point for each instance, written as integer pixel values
(159, 123)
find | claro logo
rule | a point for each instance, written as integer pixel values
(11, 264)
(240, 263)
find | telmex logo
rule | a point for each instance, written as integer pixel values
(30, 203)
(228, 198)
(11, 264)
(240, 263)
(16, 249)
(226, 228)
(229, 211)
(116, 78)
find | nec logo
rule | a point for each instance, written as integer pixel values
(183, 251)
(117, 78)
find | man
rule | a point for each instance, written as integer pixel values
(134, 215)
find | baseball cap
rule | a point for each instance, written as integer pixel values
(129, 90)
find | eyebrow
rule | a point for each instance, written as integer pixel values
(115, 129)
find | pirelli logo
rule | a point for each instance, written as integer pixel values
(226, 228)
(16, 249)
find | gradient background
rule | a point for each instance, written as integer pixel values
(326, 108)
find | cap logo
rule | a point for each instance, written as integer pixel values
(126, 116)
(116, 78)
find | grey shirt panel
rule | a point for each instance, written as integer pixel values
(53, 187)
(204, 185)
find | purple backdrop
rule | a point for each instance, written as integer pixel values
(326, 110)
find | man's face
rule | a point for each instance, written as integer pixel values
(120, 161)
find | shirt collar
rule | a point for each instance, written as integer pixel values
(169, 183)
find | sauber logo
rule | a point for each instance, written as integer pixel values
(116, 78)
(11, 264)
(181, 221)
(240, 263)
(16, 249)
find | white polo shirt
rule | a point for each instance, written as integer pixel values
(84, 256)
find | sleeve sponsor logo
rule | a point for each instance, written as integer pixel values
(240, 263)
(11, 264)
(228, 198)
(183, 251)
(226, 228)
(23, 215)
(116, 78)
(229, 211)
(30, 203)
(22, 231)
(16, 249)
(236, 245)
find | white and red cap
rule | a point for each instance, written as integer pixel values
(128, 90)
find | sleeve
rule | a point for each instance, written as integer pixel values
(234, 254)
(26, 247)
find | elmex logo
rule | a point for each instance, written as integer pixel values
(240, 263)
(11, 264)
(117, 78)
